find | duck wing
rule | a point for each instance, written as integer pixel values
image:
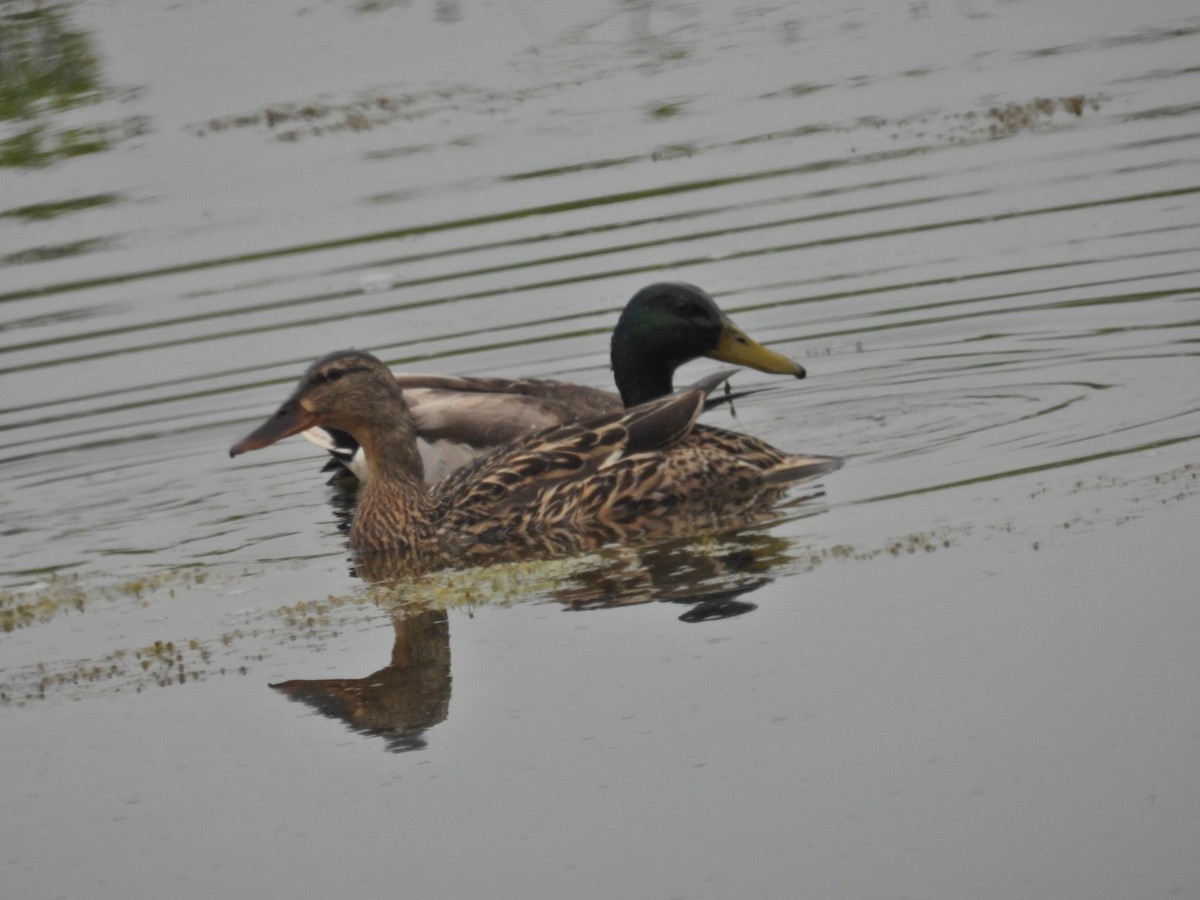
(510, 479)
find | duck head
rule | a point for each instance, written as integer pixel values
(668, 324)
(350, 390)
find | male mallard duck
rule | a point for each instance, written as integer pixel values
(662, 327)
(646, 470)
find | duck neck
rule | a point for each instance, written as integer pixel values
(393, 513)
(640, 376)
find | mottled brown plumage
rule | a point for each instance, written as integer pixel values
(646, 471)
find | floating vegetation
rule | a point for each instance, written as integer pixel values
(917, 542)
(19, 609)
(617, 576)
(1140, 493)
(61, 594)
(499, 584)
(676, 570)
(709, 574)
(1039, 114)
(1003, 121)
(159, 664)
(293, 121)
(1160, 489)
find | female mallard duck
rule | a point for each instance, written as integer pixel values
(662, 327)
(634, 473)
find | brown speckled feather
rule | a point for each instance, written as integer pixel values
(698, 483)
(512, 481)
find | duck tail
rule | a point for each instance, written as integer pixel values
(799, 468)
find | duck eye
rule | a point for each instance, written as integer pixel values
(333, 375)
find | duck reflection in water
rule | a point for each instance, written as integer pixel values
(403, 700)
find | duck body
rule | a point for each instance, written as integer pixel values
(662, 327)
(625, 475)
(618, 494)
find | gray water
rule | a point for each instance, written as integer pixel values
(965, 665)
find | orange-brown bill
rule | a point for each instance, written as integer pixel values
(289, 419)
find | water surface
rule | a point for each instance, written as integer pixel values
(963, 665)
